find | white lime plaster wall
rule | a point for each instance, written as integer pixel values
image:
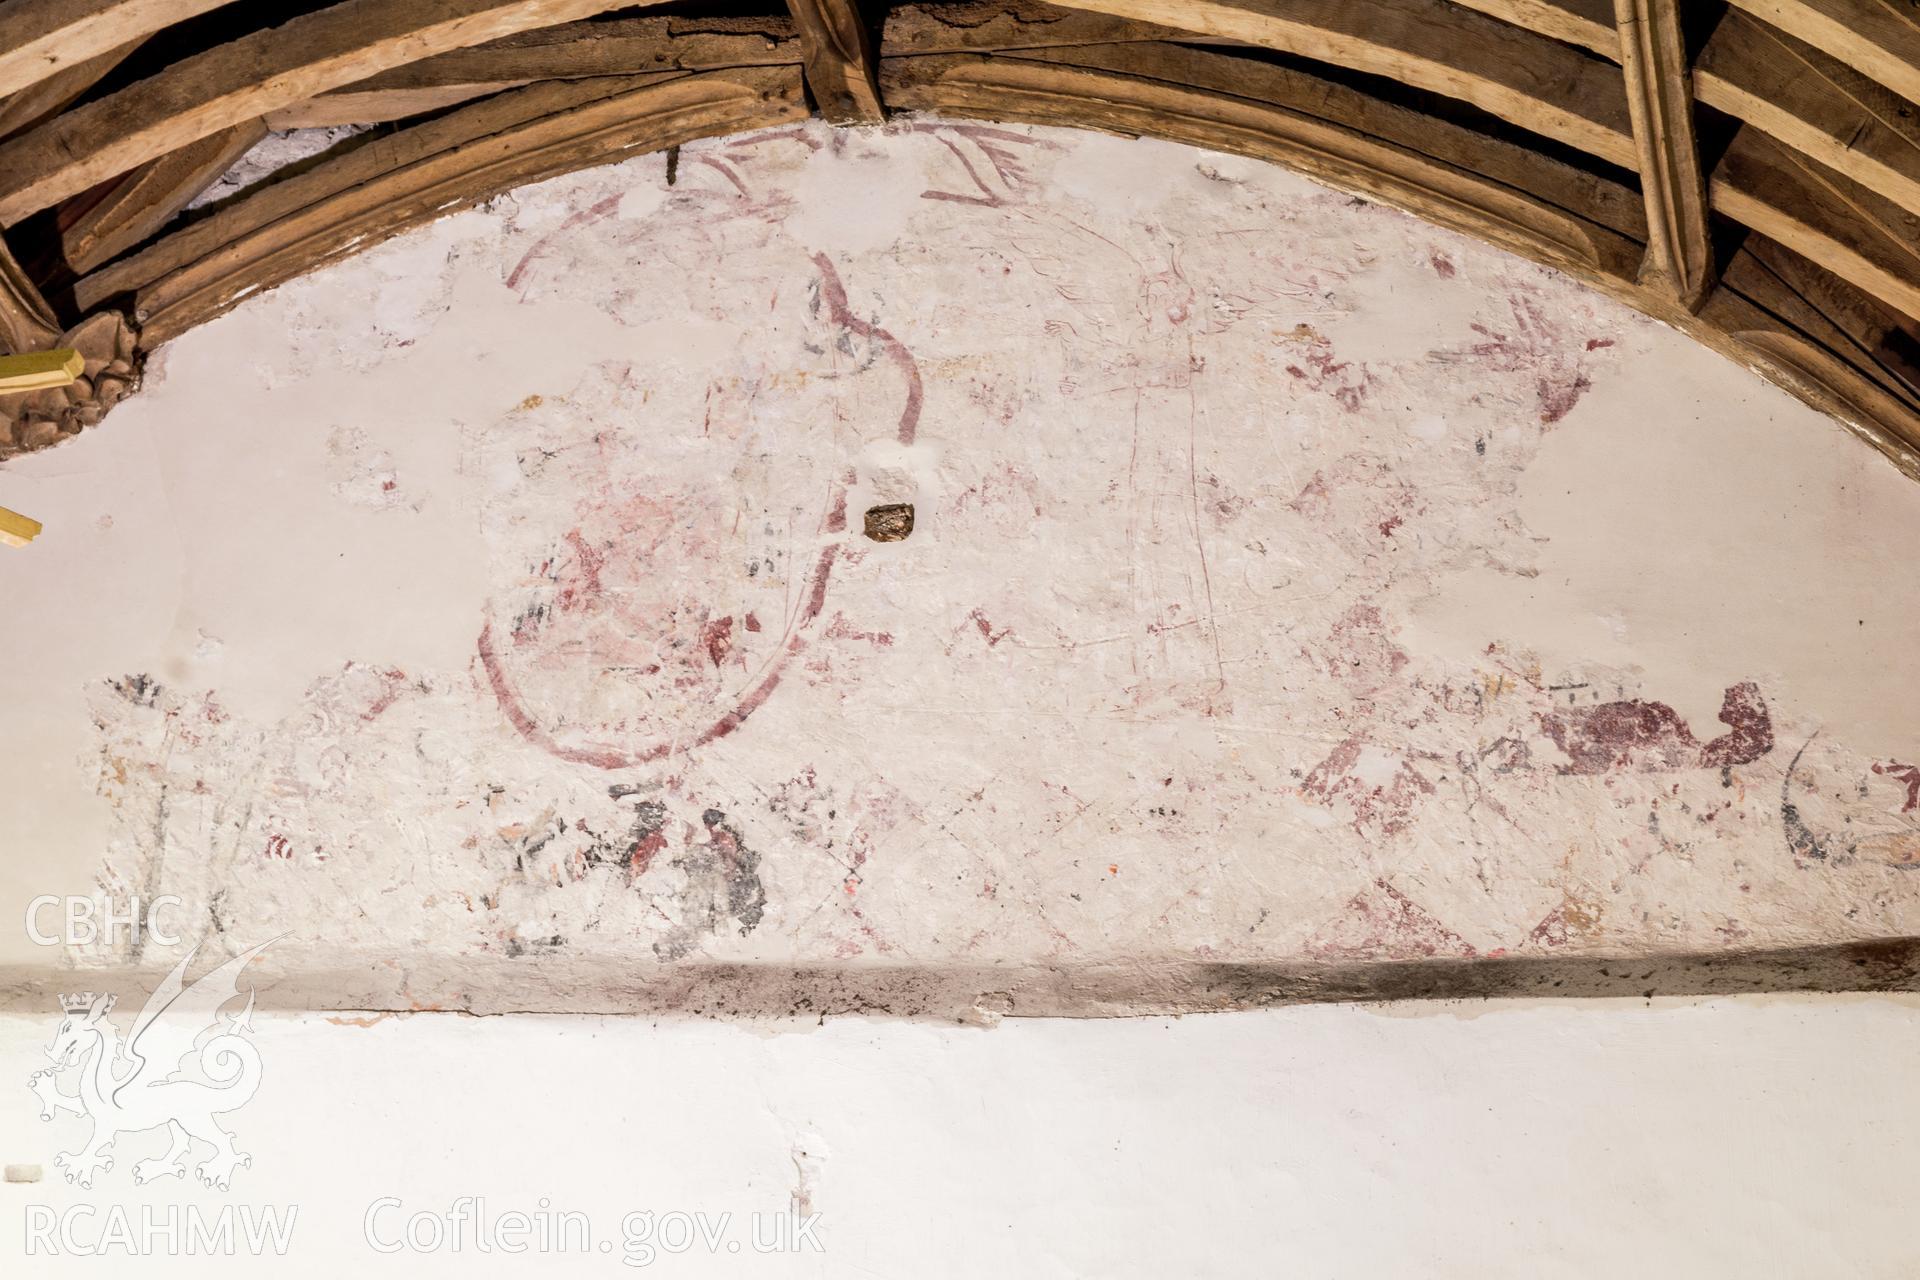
(1292, 583)
(1758, 1136)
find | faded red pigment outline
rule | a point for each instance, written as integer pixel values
(593, 213)
(614, 758)
(835, 295)
(1907, 776)
(602, 757)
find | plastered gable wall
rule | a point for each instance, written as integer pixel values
(1291, 582)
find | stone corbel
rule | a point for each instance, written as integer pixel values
(35, 419)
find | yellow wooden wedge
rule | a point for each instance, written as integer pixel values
(38, 370)
(17, 530)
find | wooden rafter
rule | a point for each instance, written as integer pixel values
(43, 38)
(247, 78)
(1660, 99)
(839, 60)
(997, 26)
(27, 323)
(135, 206)
(1880, 38)
(1813, 103)
(1589, 24)
(396, 182)
(44, 99)
(1866, 333)
(1525, 79)
(571, 51)
(1824, 215)
(1319, 127)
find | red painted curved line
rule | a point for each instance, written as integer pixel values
(835, 295)
(836, 522)
(609, 758)
(516, 714)
(592, 213)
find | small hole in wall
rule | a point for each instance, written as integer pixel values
(890, 522)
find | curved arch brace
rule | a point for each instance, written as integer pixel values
(392, 184)
(1836, 347)
(1509, 196)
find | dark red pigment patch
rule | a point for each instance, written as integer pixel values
(834, 294)
(717, 638)
(1538, 345)
(1557, 397)
(645, 838)
(1325, 374)
(996, 145)
(1636, 736)
(1383, 808)
(582, 587)
(841, 629)
(1908, 776)
(1383, 923)
(986, 630)
(392, 683)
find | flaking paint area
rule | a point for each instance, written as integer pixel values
(1192, 448)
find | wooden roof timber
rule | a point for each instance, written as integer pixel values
(1530, 81)
(44, 38)
(1659, 87)
(246, 78)
(839, 53)
(1825, 173)
(44, 99)
(1879, 38)
(1813, 103)
(571, 51)
(393, 183)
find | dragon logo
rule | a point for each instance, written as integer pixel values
(179, 1068)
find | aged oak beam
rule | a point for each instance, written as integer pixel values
(416, 175)
(1873, 337)
(1653, 54)
(840, 60)
(245, 79)
(571, 51)
(1823, 215)
(1432, 168)
(142, 202)
(43, 99)
(377, 106)
(995, 26)
(27, 323)
(43, 38)
(1878, 37)
(1587, 23)
(1813, 103)
(1526, 79)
